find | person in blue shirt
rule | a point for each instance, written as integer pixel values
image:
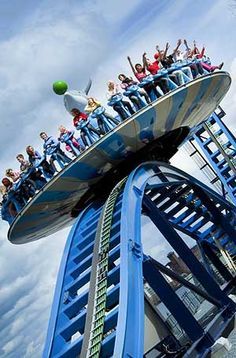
(39, 161)
(30, 174)
(52, 148)
(12, 201)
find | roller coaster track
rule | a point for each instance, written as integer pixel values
(218, 145)
(98, 306)
(96, 309)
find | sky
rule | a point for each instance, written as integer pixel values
(44, 41)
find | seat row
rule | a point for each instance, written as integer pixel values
(153, 80)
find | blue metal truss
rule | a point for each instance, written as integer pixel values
(98, 308)
(218, 145)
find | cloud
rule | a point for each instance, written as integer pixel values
(26, 294)
(70, 48)
(72, 42)
(229, 102)
(33, 59)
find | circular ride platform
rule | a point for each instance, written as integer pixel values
(163, 124)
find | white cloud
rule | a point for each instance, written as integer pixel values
(72, 42)
(27, 284)
(229, 102)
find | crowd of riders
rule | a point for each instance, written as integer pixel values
(152, 79)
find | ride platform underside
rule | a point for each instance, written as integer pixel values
(154, 132)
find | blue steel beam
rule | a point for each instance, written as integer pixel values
(160, 188)
(185, 253)
(218, 145)
(176, 306)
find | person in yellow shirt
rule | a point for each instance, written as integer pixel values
(92, 105)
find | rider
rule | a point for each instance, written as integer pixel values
(14, 175)
(66, 133)
(92, 105)
(195, 53)
(126, 82)
(113, 89)
(24, 164)
(140, 73)
(153, 68)
(34, 175)
(8, 209)
(35, 157)
(168, 61)
(26, 187)
(83, 117)
(51, 143)
(12, 200)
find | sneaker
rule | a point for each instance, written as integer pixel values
(221, 65)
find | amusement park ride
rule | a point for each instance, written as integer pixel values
(101, 307)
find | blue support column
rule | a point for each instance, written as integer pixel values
(174, 304)
(217, 217)
(216, 261)
(185, 253)
(218, 145)
(172, 199)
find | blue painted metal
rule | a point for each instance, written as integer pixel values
(182, 107)
(218, 145)
(156, 187)
(67, 138)
(75, 260)
(116, 100)
(99, 303)
(185, 253)
(133, 90)
(175, 306)
(107, 123)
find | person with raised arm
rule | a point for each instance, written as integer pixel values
(161, 56)
(184, 74)
(181, 57)
(153, 68)
(139, 72)
(195, 66)
(167, 61)
(195, 53)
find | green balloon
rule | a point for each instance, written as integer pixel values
(60, 87)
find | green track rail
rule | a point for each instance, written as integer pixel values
(94, 326)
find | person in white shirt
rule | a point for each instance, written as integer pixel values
(113, 90)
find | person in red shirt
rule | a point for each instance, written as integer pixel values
(140, 73)
(153, 68)
(80, 117)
